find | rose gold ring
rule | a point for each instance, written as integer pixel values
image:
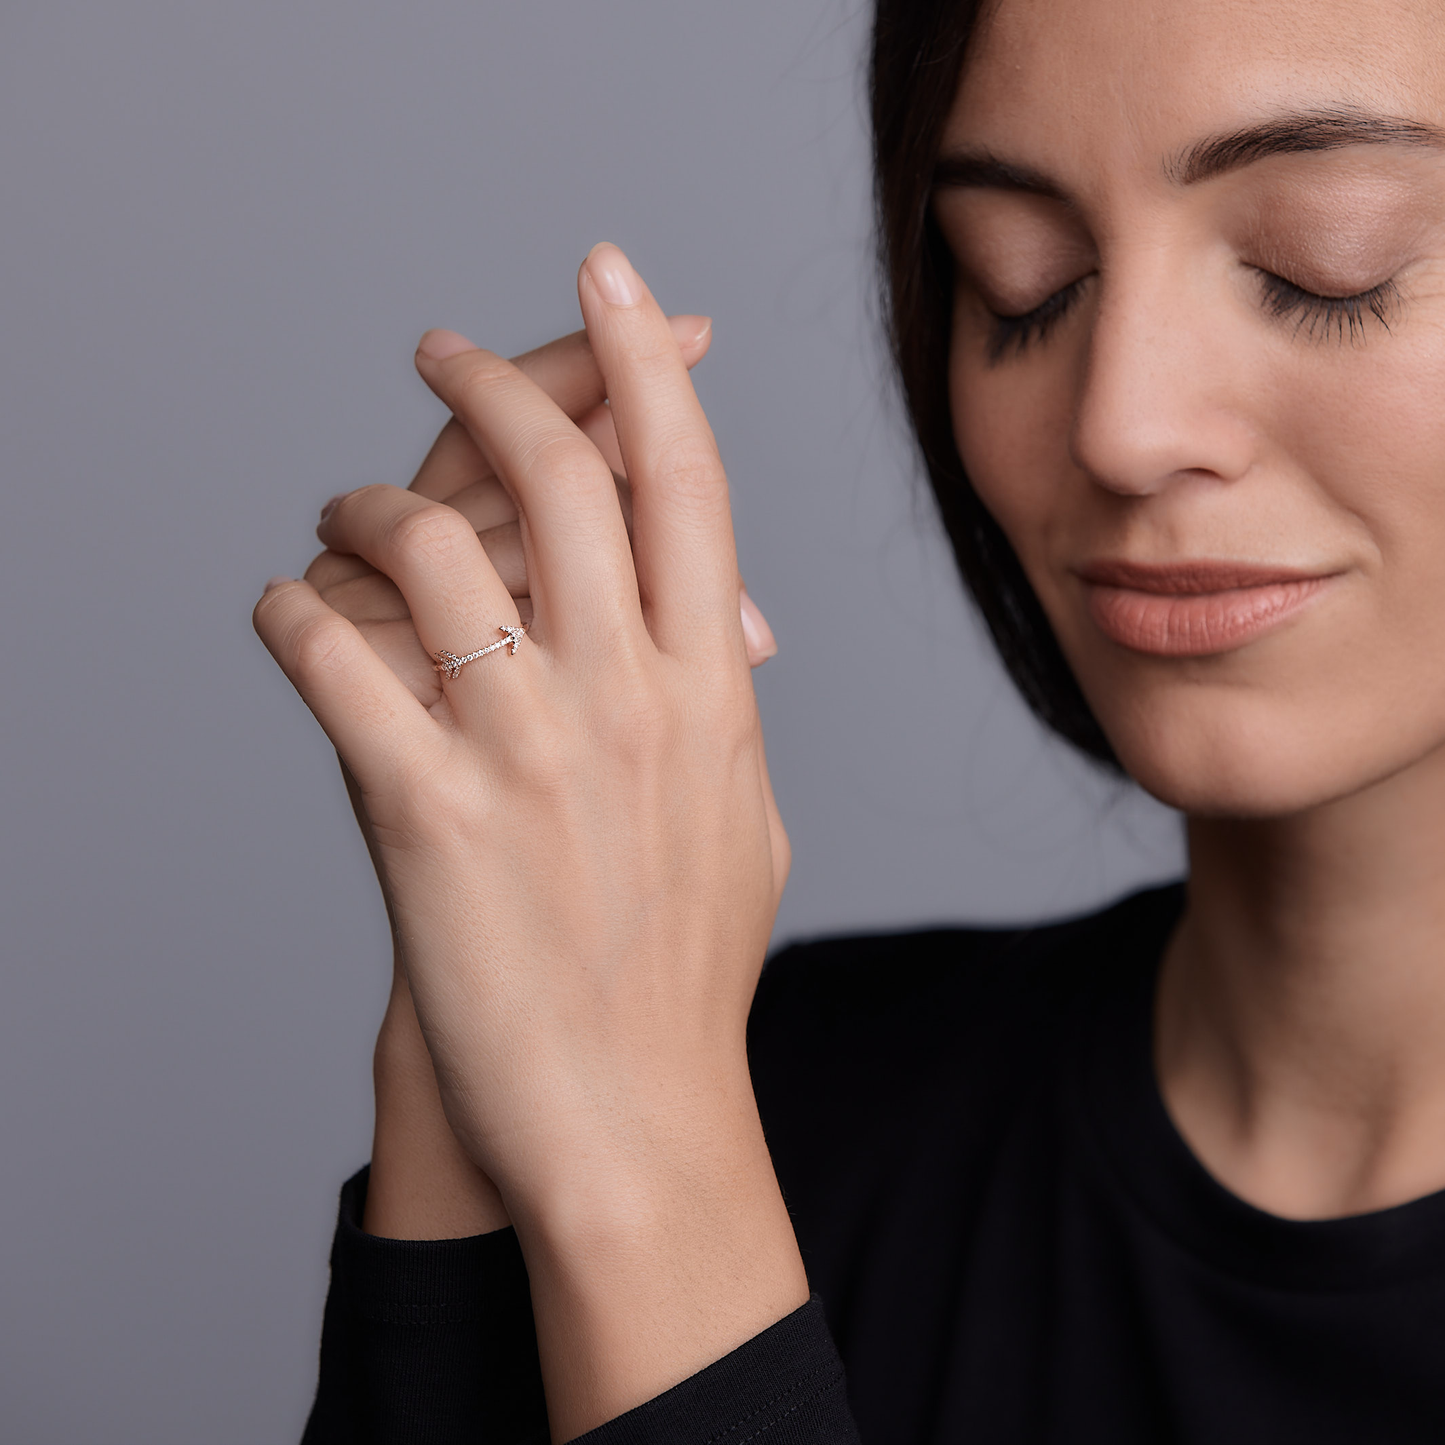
(450, 665)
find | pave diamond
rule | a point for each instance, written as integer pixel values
(450, 665)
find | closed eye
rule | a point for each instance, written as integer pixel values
(1317, 316)
(1014, 334)
(1324, 317)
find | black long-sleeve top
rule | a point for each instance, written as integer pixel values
(1007, 1240)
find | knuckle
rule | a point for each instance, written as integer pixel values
(365, 497)
(691, 466)
(566, 458)
(318, 646)
(480, 373)
(431, 535)
(652, 355)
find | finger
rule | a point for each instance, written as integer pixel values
(567, 371)
(431, 553)
(362, 594)
(597, 426)
(579, 563)
(686, 560)
(372, 598)
(757, 634)
(375, 606)
(503, 546)
(372, 719)
(373, 602)
(452, 465)
(485, 505)
(398, 646)
(328, 569)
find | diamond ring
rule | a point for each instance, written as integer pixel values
(450, 665)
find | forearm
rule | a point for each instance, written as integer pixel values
(423, 1185)
(651, 1262)
(638, 1283)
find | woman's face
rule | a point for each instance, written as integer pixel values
(1198, 373)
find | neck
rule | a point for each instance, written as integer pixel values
(1300, 1034)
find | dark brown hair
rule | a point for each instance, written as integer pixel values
(916, 65)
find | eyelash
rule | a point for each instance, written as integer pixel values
(1317, 316)
(1325, 316)
(1015, 334)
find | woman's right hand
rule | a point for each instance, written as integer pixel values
(423, 1186)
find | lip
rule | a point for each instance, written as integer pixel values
(1194, 607)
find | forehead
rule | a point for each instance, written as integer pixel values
(1125, 82)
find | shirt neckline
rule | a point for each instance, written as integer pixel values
(1168, 1182)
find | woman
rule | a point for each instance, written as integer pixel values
(1167, 283)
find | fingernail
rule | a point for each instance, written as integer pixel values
(612, 275)
(274, 582)
(690, 331)
(761, 642)
(330, 506)
(441, 345)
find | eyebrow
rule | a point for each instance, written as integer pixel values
(981, 170)
(1293, 133)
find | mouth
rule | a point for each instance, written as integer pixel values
(1194, 608)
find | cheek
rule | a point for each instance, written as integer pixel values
(1011, 425)
(1367, 427)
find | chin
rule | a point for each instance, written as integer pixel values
(1222, 752)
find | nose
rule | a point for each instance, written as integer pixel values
(1163, 395)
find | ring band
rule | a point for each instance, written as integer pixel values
(450, 665)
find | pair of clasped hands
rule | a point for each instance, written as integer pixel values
(578, 844)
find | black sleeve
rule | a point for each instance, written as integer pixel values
(784, 1387)
(426, 1342)
(432, 1342)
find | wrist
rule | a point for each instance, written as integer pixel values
(648, 1268)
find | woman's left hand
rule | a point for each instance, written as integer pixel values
(581, 847)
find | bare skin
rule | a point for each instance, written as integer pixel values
(1179, 409)
(1302, 1007)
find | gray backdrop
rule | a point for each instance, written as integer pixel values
(224, 226)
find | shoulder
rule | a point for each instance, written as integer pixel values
(893, 1001)
(878, 1055)
(868, 978)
